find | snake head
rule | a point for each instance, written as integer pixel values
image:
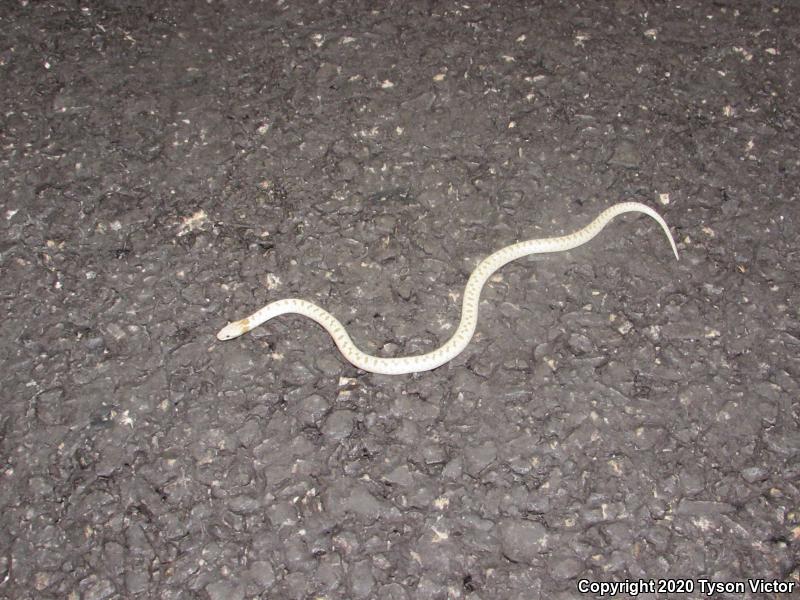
(230, 331)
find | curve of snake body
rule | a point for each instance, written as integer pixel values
(469, 306)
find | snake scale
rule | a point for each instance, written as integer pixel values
(469, 307)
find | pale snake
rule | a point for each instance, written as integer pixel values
(469, 307)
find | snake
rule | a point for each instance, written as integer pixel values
(469, 305)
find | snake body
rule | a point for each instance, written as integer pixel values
(469, 308)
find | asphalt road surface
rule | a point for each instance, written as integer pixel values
(623, 424)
